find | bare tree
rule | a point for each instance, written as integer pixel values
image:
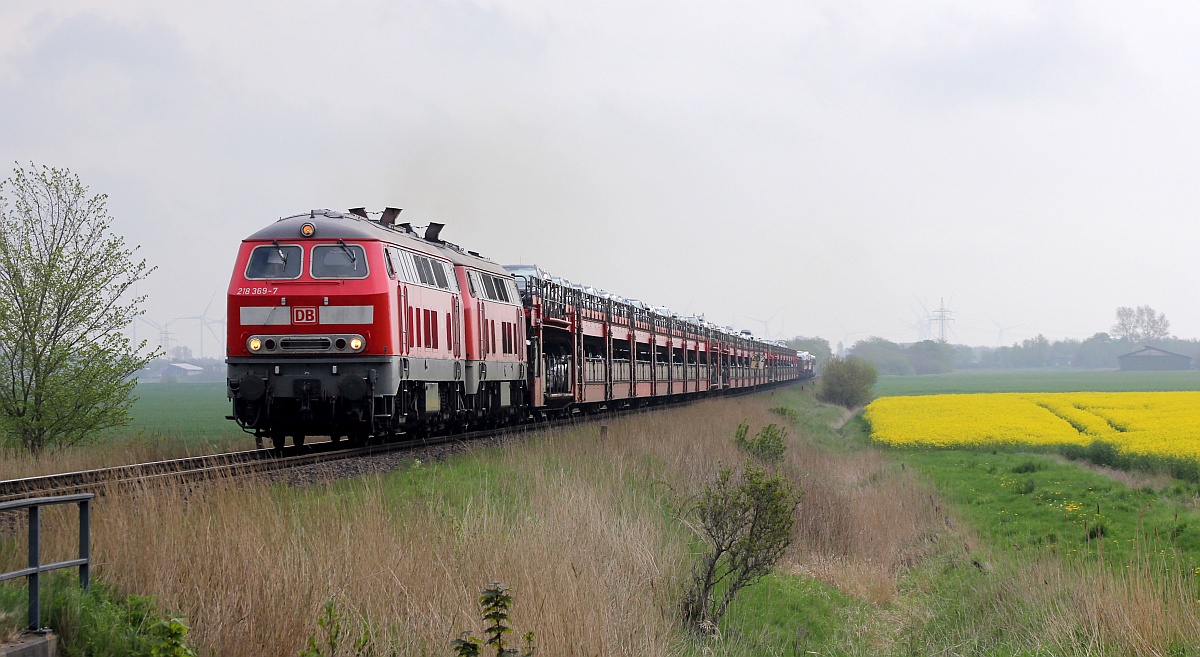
(1141, 324)
(1126, 327)
(65, 365)
(1153, 326)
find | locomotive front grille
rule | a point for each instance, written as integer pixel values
(305, 344)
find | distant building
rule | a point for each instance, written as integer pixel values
(1153, 358)
(182, 370)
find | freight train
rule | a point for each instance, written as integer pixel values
(349, 325)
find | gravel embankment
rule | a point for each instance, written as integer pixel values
(321, 473)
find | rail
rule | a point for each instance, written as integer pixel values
(33, 573)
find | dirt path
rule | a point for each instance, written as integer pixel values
(850, 412)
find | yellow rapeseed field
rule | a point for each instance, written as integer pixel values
(1151, 423)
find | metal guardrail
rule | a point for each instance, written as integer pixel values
(33, 573)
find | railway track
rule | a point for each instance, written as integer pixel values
(257, 461)
(199, 468)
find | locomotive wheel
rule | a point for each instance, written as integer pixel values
(277, 441)
(298, 440)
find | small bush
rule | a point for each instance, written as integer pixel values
(746, 524)
(788, 413)
(1102, 453)
(1026, 467)
(847, 382)
(170, 639)
(767, 445)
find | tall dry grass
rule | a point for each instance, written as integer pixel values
(18, 464)
(583, 529)
(575, 524)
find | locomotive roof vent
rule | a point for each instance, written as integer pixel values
(389, 216)
(433, 230)
(359, 212)
(312, 214)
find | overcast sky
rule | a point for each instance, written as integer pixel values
(832, 166)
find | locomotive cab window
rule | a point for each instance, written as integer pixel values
(493, 288)
(339, 261)
(274, 261)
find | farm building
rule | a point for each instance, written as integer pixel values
(182, 370)
(1153, 358)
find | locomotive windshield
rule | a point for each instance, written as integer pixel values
(339, 261)
(274, 262)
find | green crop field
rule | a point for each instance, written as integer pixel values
(1036, 381)
(184, 411)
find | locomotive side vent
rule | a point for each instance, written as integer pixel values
(305, 344)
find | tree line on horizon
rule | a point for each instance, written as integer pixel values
(1135, 328)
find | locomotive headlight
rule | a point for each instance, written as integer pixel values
(356, 343)
(255, 344)
(308, 230)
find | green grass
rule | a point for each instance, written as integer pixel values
(185, 411)
(1029, 502)
(1037, 381)
(792, 615)
(98, 623)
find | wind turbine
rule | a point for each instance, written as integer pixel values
(1001, 330)
(923, 321)
(206, 324)
(766, 322)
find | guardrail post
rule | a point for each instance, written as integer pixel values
(34, 580)
(85, 548)
(33, 573)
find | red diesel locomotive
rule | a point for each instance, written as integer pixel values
(343, 325)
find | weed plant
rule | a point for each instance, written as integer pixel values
(101, 622)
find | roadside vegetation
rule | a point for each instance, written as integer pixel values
(98, 623)
(168, 420)
(890, 551)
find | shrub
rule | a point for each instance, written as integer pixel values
(767, 445)
(791, 414)
(847, 382)
(746, 524)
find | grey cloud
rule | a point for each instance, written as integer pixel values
(87, 73)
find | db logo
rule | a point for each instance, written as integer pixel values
(304, 315)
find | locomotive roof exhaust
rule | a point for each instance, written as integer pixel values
(387, 218)
(432, 232)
